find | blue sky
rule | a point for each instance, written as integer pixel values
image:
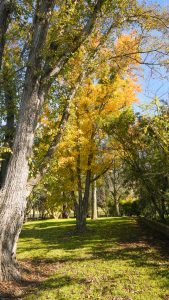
(156, 84)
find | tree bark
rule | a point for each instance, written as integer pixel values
(94, 201)
(81, 218)
(13, 196)
(65, 214)
(51, 71)
(6, 7)
(112, 184)
(82, 205)
(116, 200)
(9, 97)
(53, 147)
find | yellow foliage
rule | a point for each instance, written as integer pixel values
(100, 98)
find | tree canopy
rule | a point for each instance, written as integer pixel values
(68, 77)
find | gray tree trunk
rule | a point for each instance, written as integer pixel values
(82, 205)
(94, 201)
(9, 97)
(113, 186)
(6, 7)
(117, 206)
(13, 196)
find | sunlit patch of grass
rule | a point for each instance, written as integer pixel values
(110, 261)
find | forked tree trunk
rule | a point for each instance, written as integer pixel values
(82, 205)
(13, 196)
(81, 212)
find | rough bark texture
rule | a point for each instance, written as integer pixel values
(13, 197)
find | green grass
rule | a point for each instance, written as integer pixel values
(110, 261)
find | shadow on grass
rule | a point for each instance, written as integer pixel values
(108, 239)
(61, 281)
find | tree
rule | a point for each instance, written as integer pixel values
(12, 202)
(6, 9)
(83, 153)
(115, 182)
(9, 103)
(49, 46)
(94, 201)
(144, 140)
(12, 74)
(36, 85)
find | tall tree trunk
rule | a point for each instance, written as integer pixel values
(33, 214)
(13, 196)
(65, 214)
(112, 184)
(94, 201)
(117, 208)
(6, 7)
(83, 199)
(9, 97)
(80, 211)
(82, 205)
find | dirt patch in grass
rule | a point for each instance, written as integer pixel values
(33, 274)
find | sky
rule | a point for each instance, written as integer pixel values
(153, 85)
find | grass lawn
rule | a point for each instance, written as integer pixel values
(113, 260)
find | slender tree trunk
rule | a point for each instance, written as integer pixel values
(6, 7)
(112, 184)
(9, 97)
(33, 215)
(65, 214)
(13, 196)
(94, 201)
